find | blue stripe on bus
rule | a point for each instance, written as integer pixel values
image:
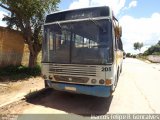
(99, 91)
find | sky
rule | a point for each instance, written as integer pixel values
(140, 19)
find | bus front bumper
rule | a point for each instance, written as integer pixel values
(99, 91)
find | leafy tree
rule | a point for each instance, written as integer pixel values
(153, 50)
(128, 55)
(137, 46)
(27, 16)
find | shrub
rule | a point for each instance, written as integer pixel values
(20, 72)
(128, 55)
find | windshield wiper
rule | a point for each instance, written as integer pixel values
(97, 24)
(59, 24)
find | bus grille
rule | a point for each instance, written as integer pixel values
(82, 70)
(71, 79)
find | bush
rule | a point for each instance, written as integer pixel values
(128, 55)
(20, 72)
(134, 56)
(156, 53)
(153, 50)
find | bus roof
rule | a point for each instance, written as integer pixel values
(81, 13)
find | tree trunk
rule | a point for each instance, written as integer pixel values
(33, 59)
(33, 45)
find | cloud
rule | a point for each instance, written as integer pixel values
(79, 4)
(132, 4)
(144, 30)
(116, 5)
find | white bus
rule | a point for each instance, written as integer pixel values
(82, 51)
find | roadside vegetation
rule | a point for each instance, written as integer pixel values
(152, 52)
(14, 73)
(137, 46)
(131, 55)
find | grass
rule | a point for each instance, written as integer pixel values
(19, 72)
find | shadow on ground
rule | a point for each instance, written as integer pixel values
(72, 103)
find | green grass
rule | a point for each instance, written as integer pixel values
(19, 72)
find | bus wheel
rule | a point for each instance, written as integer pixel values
(117, 76)
(46, 84)
(121, 69)
(112, 89)
(114, 85)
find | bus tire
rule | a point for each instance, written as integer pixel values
(118, 73)
(114, 85)
(112, 89)
(46, 84)
(121, 69)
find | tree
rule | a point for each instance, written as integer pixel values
(27, 16)
(153, 50)
(138, 46)
(128, 55)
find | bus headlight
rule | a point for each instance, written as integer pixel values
(101, 81)
(44, 76)
(108, 82)
(50, 77)
(93, 81)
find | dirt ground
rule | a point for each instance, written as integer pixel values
(14, 91)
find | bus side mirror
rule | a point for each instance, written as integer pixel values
(118, 31)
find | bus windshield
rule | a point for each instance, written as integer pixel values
(78, 42)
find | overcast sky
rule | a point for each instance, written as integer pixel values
(140, 19)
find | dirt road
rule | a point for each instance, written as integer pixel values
(137, 92)
(13, 91)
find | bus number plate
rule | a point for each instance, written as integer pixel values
(70, 88)
(105, 69)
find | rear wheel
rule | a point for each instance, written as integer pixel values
(121, 69)
(118, 73)
(46, 84)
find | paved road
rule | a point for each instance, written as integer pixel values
(138, 88)
(137, 92)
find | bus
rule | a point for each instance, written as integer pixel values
(82, 51)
